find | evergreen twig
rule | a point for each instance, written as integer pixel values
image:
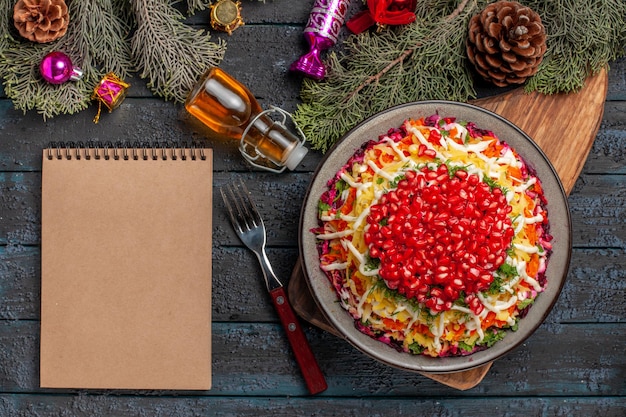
(6, 21)
(195, 5)
(168, 53)
(95, 38)
(426, 60)
(579, 43)
(403, 56)
(178, 54)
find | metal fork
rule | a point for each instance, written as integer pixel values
(249, 226)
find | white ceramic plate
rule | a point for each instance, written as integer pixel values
(558, 213)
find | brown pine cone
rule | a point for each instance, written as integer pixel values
(506, 43)
(41, 20)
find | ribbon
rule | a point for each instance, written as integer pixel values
(383, 13)
(111, 91)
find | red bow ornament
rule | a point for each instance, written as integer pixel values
(382, 13)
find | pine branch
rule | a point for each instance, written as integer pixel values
(177, 55)
(403, 56)
(6, 21)
(98, 42)
(424, 60)
(95, 38)
(195, 5)
(427, 60)
(99, 39)
(579, 44)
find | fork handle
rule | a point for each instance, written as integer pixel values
(311, 371)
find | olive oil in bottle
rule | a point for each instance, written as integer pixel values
(228, 109)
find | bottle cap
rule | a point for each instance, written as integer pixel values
(295, 157)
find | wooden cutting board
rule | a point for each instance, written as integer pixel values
(563, 125)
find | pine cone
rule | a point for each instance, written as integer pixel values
(41, 20)
(506, 43)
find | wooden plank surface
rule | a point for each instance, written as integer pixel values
(564, 126)
(253, 359)
(84, 405)
(573, 365)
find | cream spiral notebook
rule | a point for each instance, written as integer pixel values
(126, 268)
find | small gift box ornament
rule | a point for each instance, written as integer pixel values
(111, 91)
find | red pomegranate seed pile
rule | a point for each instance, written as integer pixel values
(438, 236)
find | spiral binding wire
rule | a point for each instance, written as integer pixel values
(124, 150)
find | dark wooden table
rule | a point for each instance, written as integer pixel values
(574, 365)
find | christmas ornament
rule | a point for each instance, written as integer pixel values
(108, 36)
(383, 13)
(56, 68)
(111, 91)
(41, 20)
(226, 16)
(506, 43)
(321, 33)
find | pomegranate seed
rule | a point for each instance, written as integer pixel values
(430, 153)
(439, 223)
(435, 235)
(450, 293)
(436, 292)
(442, 278)
(458, 283)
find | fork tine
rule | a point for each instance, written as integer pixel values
(229, 202)
(248, 204)
(241, 207)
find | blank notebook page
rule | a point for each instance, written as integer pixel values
(126, 271)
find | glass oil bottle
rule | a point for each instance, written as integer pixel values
(230, 110)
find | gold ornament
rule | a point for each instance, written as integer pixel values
(226, 16)
(111, 91)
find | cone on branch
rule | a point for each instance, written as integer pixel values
(506, 43)
(41, 21)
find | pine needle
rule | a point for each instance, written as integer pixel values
(195, 5)
(422, 61)
(579, 43)
(177, 54)
(427, 60)
(169, 54)
(95, 38)
(6, 22)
